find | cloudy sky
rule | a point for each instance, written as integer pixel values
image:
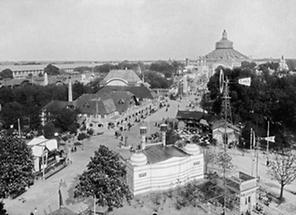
(143, 29)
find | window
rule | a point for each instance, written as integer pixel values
(142, 175)
(246, 201)
(196, 163)
(249, 199)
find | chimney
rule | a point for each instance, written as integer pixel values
(45, 83)
(163, 129)
(143, 132)
(70, 98)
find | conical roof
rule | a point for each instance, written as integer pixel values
(225, 52)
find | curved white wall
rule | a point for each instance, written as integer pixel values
(166, 174)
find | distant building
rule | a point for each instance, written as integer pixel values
(283, 66)
(225, 55)
(122, 77)
(232, 131)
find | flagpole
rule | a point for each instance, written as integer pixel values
(267, 146)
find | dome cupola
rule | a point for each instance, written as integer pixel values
(224, 43)
(192, 149)
(138, 159)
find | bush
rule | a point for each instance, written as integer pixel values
(90, 131)
(82, 136)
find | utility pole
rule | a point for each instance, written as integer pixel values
(267, 144)
(227, 119)
(95, 199)
(19, 127)
(97, 105)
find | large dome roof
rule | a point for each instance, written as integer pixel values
(224, 52)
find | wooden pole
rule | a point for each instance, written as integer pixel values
(95, 199)
(267, 146)
(19, 127)
(251, 142)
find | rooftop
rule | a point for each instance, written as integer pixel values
(141, 92)
(158, 153)
(126, 75)
(224, 51)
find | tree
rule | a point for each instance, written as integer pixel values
(156, 80)
(2, 210)
(223, 160)
(51, 70)
(209, 158)
(104, 180)
(16, 166)
(283, 168)
(6, 73)
(66, 120)
(49, 130)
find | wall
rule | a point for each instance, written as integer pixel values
(166, 174)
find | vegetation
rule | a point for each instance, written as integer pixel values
(6, 73)
(52, 70)
(16, 166)
(25, 102)
(166, 68)
(156, 80)
(2, 210)
(283, 168)
(104, 180)
(269, 97)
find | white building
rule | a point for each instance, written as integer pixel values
(243, 187)
(232, 131)
(161, 167)
(40, 148)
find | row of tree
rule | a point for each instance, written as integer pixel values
(25, 102)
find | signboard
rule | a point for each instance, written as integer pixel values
(245, 81)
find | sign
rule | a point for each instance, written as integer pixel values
(269, 139)
(245, 81)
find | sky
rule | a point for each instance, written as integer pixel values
(143, 29)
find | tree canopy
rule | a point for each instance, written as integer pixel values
(16, 165)
(104, 179)
(26, 102)
(6, 73)
(52, 70)
(283, 168)
(166, 68)
(269, 97)
(2, 210)
(156, 80)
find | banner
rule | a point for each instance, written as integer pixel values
(269, 139)
(245, 81)
(221, 81)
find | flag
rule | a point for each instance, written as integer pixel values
(221, 81)
(270, 139)
(245, 81)
(60, 199)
